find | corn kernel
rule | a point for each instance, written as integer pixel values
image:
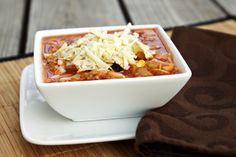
(169, 67)
(140, 63)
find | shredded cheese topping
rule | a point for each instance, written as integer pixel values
(98, 50)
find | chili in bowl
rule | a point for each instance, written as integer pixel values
(107, 72)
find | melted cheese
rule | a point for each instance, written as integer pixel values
(98, 50)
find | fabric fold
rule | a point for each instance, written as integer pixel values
(201, 119)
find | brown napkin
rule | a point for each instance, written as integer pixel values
(201, 120)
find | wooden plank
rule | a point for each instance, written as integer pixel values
(11, 16)
(171, 13)
(53, 14)
(229, 6)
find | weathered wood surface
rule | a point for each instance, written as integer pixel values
(51, 14)
(229, 6)
(11, 17)
(171, 13)
(11, 140)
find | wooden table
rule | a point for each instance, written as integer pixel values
(13, 144)
(20, 19)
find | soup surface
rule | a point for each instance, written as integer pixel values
(106, 55)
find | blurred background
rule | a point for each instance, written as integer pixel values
(20, 19)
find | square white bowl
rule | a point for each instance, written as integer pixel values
(113, 98)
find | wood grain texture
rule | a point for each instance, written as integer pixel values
(171, 13)
(13, 144)
(11, 16)
(52, 14)
(228, 26)
(229, 6)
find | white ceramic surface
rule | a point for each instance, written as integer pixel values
(40, 124)
(114, 98)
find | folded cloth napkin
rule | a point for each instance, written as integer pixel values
(201, 120)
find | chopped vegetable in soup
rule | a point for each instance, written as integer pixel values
(99, 55)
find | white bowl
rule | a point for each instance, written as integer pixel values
(114, 98)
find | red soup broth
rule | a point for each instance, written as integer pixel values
(161, 64)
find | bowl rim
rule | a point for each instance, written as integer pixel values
(186, 72)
